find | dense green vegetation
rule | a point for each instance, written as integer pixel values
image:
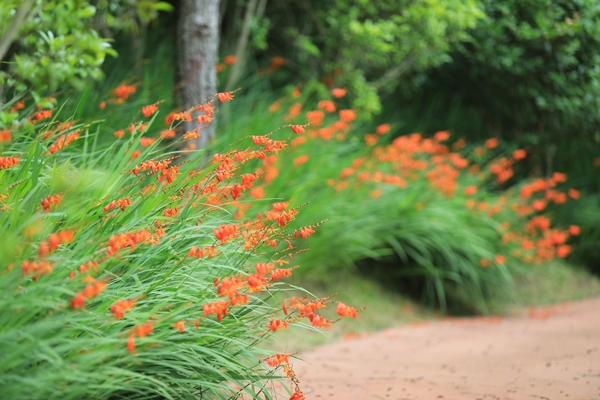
(445, 150)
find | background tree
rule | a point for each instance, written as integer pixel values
(369, 47)
(45, 45)
(197, 56)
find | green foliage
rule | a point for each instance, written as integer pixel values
(103, 290)
(450, 243)
(530, 71)
(369, 47)
(47, 44)
(55, 43)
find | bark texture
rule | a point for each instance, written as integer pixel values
(197, 55)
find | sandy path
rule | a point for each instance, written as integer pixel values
(550, 353)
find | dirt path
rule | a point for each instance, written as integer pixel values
(546, 353)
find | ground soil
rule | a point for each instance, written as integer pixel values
(541, 353)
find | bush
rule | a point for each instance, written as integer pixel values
(370, 48)
(124, 273)
(439, 207)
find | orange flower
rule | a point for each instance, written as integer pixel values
(559, 177)
(297, 395)
(327, 105)
(7, 162)
(130, 344)
(180, 326)
(143, 330)
(491, 143)
(280, 273)
(470, 190)
(319, 321)
(539, 205)
(278, 359)
(277, 62)
(574, 230)
(78, 301)
(275, 106)
(145, 142)
(5, 136)
(226, 96)
(224, 233)
(519, 154)
(297, 129)
(338, 93)
(219, 308)
(563, 251)
(257, 193)
(500, 259)
(149, 110)
(229, 60)
(171, 212)
(120, 307)
(441, 136)
(300, 160)
(574, 194)
(167, 134)
(347, 115)
(54, 199)
(383, 129)
(123, 91)
(277, 325)
(315, 117)
(345, 311)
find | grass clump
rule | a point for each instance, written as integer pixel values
(125, 271)
(442, 206)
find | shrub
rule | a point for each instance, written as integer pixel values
(124, 274)
(439, 207)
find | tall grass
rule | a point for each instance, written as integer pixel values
(124, 273)
(439, 203)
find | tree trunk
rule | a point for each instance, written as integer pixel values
(197, 55)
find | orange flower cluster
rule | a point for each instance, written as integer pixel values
(37, 268)
(304, 232)
(63, 142)
(146, 141)
(7, 162)
(5, 136)
(226, 96)
(128, 239)
(225, 233)
(142, 330)
(207, 251)
(55, 240)
(338, 93)
(121, 203)
(327, 106)
(277, 325)
(40, 115)
(122, 92)
(87, 266)
(149, 110)
(53, 199)
(297, 129)
(219, 308)
(119, 307)
(18, 106)
(277, 359)
(344, 310)
(91, 290)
